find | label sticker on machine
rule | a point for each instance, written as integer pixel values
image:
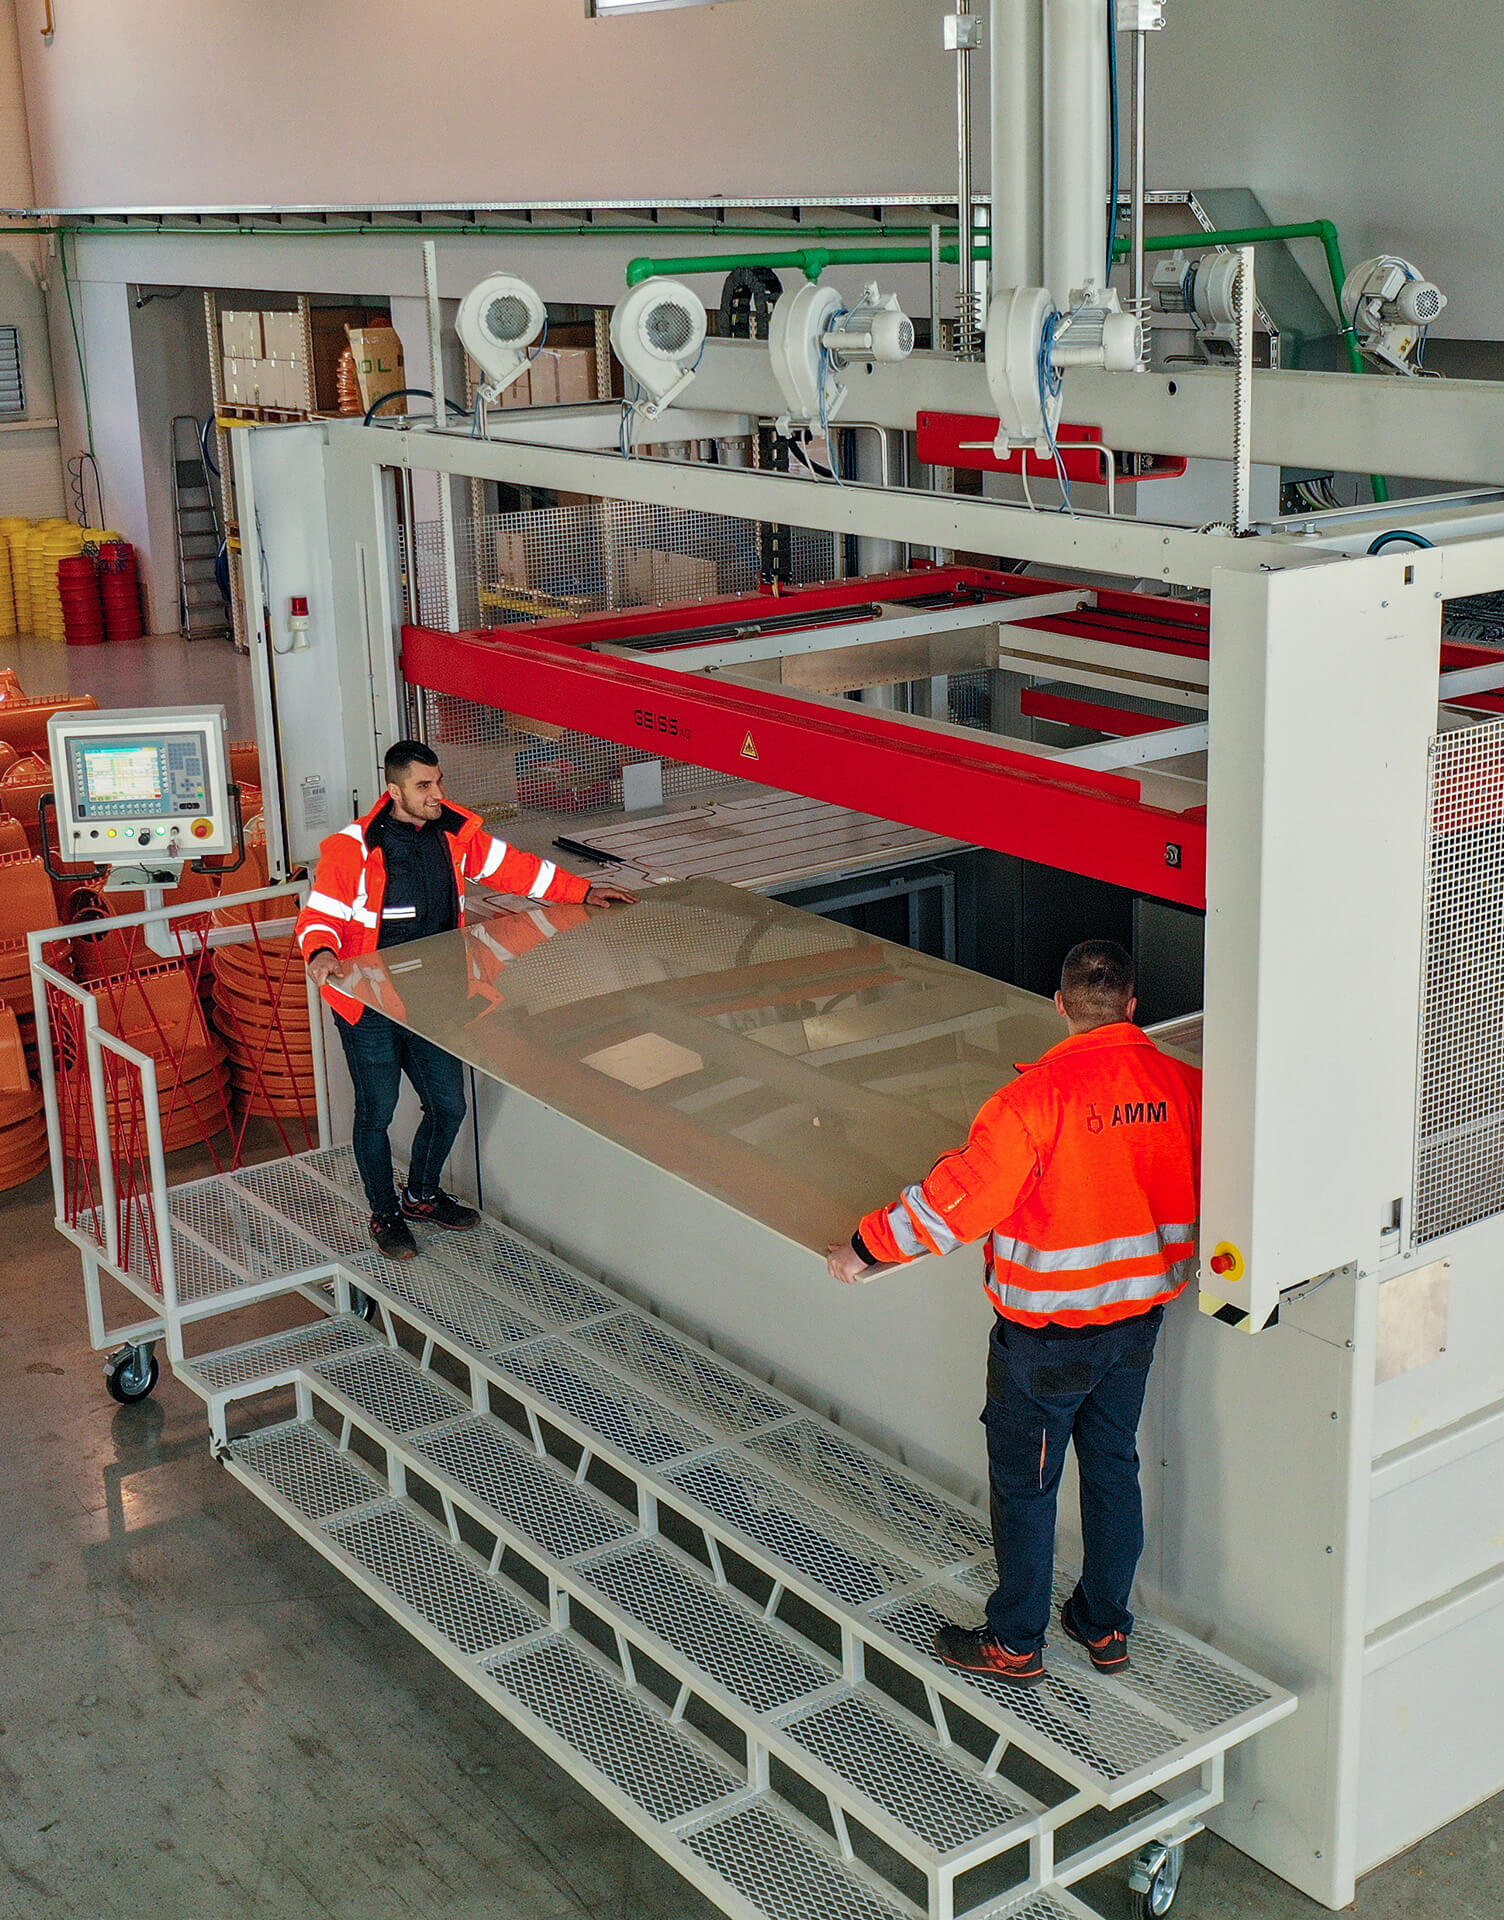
(315, 801)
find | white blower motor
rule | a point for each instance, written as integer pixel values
(499, 319)
(813, 338)
(1206, 289)
(658, 331)
(1389, 303)
(1031, 345)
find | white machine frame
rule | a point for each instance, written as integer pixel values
(1288, 1502)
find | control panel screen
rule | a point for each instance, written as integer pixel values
(158, 778)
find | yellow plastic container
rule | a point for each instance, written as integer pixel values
(48, 546)
(13, 528)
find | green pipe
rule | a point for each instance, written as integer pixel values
(810, 261)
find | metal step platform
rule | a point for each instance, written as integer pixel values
(707, 1603)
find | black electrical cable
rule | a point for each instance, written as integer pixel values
(411, 393)
(1114, 133)
(1397, 533)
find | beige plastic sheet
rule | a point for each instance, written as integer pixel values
(797, 1070)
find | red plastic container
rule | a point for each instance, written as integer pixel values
(120, 590)
(83, 609)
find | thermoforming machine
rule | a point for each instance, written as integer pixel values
(1292, 744)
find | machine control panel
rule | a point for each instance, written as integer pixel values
(142, 785)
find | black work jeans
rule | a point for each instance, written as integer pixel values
(1048, 1387)
(378, 1053)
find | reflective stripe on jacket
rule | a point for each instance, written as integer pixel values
(1083, 1178)
(343, 911)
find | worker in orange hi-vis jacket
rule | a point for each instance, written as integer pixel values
(1083, 1177)
(396, 875)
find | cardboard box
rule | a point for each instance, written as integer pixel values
(511, 558)
(654, 578)
(543, 379)
(378, 364)
(520, 392)
(240, 382)
(576, 374)
(282, 336)
(330, 340)
(240, 334)
(281, 384)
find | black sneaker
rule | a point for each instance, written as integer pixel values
(978, 1650)
(442, 1211)
(393, 1236)
(1107, 1655)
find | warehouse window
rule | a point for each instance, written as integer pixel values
(12, 395)
(603, 9)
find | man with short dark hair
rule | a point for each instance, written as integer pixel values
(396, 875)
(1083, 1175)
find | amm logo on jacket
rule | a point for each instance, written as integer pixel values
(1136, 1113)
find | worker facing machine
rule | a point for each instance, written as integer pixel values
(396, 875)
(1083, 1175)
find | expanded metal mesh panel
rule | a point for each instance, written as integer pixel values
(783, 1871)
(719, 1636)
(615, 1731)
(883, 1496)
(682, 1372)
(1085, 1717)
(247, 1236)
(937, 1796)
(435, 1580)
(533, 1497)
(595, 557)
(387, 1385)
(621, 1416)
(264, 1359)
(1459, 1152)
(330, 1222)
(539, 1284)
(458, 1306)
(337, 1166)
(301, 1462)
(847, 1563)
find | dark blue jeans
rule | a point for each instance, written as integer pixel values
(1048, 1387)
(378, 1053)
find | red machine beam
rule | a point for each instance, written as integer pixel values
(1065, 712)
(971, 788)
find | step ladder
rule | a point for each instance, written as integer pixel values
(709, 1605)
(202, 611)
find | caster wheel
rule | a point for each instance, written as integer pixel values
(132, 1375)
(1155, 1880)
(364, 1305)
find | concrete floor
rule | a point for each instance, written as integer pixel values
(157, 672)
(200, 1720)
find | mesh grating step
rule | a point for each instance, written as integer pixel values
(784, 1870)
(935, 1795)
(250, 1242)
(533, 1497)
(649, 1583)
(452, 1304)
(684, 1374)
(310, 1206)
(835, 1556)
(651, 1761)
(301, 1462)
(275, 1358)
(434, 1579)
(621, 1415)
(542, 1286)
(384, 1384)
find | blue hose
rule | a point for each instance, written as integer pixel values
(1396, 533)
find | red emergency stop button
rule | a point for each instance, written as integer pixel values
(201, 829)
(1223, 1263)
(1227, 1262)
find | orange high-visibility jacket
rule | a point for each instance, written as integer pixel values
(345, 905)
(1083, 1176)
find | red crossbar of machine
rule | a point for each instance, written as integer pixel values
(972, 787)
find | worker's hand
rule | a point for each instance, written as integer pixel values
(323, 963)
(607, 896)
(845, 1263)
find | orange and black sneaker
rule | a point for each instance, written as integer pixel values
(1107, 1655)
(978, 1650)
(443, 1210)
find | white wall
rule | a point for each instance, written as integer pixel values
(361, 101)
(31, 475)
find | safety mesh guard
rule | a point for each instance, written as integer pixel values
(597, 556)
(1459, 1145)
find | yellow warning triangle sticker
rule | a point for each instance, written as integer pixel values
(749, 748)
